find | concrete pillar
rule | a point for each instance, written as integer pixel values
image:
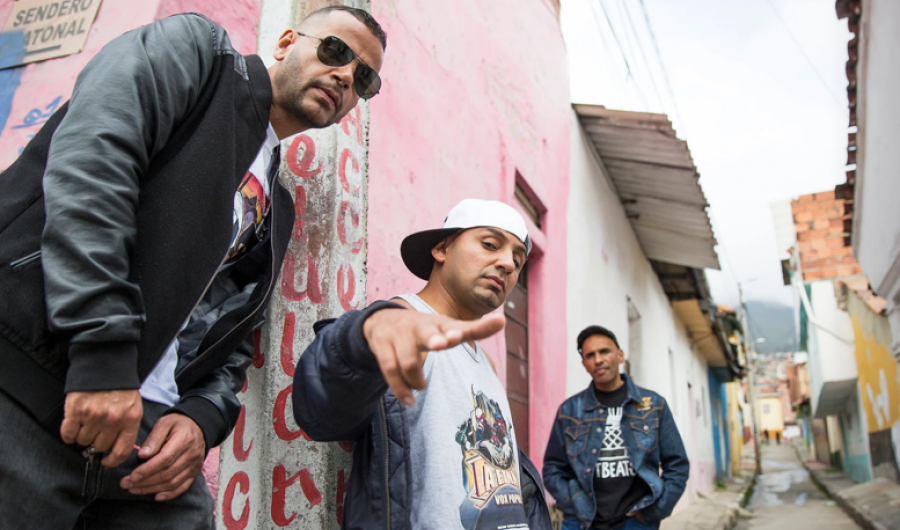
(271, 475)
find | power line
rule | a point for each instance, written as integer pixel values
(606, 48)
(662, 65)
(805, 56)
(623, 54)
(640, 47)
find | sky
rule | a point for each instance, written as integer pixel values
(765, 117)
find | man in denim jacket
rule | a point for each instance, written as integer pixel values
(608, 444)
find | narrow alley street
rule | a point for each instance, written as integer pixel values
(786, 498)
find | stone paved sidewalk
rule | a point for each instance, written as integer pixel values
(874, 505)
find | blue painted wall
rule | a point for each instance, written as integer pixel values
(721, 434)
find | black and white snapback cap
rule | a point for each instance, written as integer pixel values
(469, 213)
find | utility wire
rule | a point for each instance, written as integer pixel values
(606, 48)
(623, 54)
(640, 47)
(805, 56)
(662, 66)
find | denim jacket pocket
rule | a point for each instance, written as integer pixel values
(576, 438)
(646, 433)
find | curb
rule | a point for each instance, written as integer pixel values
(731, 516)
(855, 513)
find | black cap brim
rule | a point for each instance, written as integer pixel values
(416, 250)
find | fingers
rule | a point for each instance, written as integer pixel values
(105, 420)
(122, 447)
(483, 328)
(178, 450)
(157, 437)
(69, 429)
(150, 471)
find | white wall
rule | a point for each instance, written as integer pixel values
(606, 268)
(876, 231)
(831, 352)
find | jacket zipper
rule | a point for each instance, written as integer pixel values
(387, 469)
(25, 260)
(272, 282)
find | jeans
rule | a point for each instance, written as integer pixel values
(631, 523)
(46, 484)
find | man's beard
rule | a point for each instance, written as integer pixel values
(292, 101)
(487, 300)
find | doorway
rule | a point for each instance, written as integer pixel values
(517, 388)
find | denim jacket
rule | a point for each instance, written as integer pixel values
(651, 437)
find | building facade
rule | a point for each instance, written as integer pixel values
(623, 274)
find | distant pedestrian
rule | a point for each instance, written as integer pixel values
(766, 436)
(778, 437)
(608, 445)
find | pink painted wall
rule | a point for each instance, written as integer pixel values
(475, 92)
(42, 86)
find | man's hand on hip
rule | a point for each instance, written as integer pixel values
(400, 337)
(176, 450)
(106, 420)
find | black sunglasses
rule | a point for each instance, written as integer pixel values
(332, 51)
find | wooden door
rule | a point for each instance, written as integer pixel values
(516, 311)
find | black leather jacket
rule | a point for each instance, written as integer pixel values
(118, 214)
(340, 394)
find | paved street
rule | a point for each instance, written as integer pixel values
(785, 498)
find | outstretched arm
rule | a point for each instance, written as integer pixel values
(343, 374)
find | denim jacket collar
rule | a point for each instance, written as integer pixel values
(590, 398)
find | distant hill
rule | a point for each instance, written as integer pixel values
(773, 322)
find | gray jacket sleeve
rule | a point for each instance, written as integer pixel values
(125, 105)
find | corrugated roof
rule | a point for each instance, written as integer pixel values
(655, 177)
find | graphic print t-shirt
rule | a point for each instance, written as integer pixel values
(251, 203)
(463, 453)
(617, 488)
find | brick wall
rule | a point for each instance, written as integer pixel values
(819, 223)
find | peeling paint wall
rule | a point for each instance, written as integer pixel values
(271, 474)
(470, 100)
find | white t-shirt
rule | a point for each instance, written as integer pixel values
(160, 387)
(463, 453)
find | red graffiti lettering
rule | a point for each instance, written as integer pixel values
(258, 358)
(246, 384)
(243, 481)
(280, 484)
(346, 446)
(346, 207)
(341, 494)
(238, 447)
(288, 285)
(300, 166)
(346, 295)
(342, 169)
(287, 344)
(353, 118)
(279, 419)
(358, 246)
(299, 212)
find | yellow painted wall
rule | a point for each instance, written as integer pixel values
(735, 426)
(773, 420)
(877, 368)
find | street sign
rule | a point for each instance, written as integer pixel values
(43, 29)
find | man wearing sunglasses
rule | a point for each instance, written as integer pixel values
(141, 233)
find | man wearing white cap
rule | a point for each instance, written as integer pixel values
(435, 446)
